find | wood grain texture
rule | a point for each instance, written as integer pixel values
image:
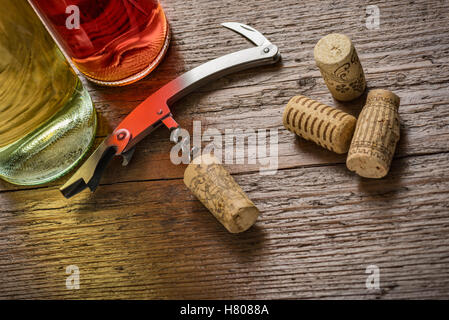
(144, 235)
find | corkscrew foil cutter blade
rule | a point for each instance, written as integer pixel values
(154, 111)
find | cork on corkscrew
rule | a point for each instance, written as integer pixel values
(375, 136)
(320, 123)
(340, 67)
(212, 184)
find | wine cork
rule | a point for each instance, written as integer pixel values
(340, 67)
(217, 190)
(375, 136)
(320, 123)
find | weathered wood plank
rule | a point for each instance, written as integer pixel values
(320, 228)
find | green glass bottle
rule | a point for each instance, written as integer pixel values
(47, 119)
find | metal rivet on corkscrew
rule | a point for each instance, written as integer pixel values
(122, 134)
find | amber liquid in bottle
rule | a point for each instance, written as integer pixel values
(47, 120)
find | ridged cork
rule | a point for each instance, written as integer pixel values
(217, 190)
(340, 66)
(376, 135)
(320, 123)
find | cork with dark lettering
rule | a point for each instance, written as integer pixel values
(376, 135)
(320, 123)
(212, 184)
(340, 66)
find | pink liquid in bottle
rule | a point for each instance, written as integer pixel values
(117, 42)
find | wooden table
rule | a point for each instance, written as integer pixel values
(144, 235)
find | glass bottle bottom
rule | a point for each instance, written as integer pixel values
(142, 73)
(54, 148)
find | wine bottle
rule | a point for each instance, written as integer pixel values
(47, 119)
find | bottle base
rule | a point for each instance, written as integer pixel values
(55, 148)
(141, 74)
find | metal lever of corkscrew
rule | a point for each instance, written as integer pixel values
(154, 111)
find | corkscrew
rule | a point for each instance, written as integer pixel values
(154, 111)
